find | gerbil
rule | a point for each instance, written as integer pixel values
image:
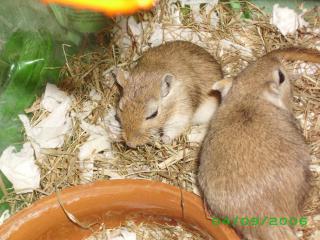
(254, 159)
(167, 91)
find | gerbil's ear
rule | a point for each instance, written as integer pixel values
(278, 91)
(279, 78)
(166, 83)
(121, 77)
(282, 77)
(223, 86)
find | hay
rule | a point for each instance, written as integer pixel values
(249, 39)
(147, 231)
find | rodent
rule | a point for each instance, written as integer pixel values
(254, 161)
(167, 91)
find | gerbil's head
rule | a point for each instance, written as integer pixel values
(265, 79)
(141, 110)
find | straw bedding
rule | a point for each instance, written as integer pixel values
(147, 231)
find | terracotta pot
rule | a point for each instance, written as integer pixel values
(111, 202)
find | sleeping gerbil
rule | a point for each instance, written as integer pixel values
(254, 159)
(167, 91)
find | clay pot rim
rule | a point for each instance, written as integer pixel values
(189, 198)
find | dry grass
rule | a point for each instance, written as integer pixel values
(60, 167)
(147, 231)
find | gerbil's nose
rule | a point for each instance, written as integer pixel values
(131, 145)
(132, 140)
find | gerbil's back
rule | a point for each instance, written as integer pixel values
(263, 132)
(182, 58)
(190, 64)
(256, 152)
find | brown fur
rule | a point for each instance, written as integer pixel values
(194, 70)
(254, 159)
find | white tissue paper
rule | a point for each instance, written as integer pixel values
(135, 30)
(159, 33)
(195, 7)
(175, 14)
(88, 106)
(85, 111)
(52, 97)
(109, 79)
(97, 141)
(163, 34)
(50, 131)
(306, 121)
(20, 168)
(112, 125)
(287, 20)
(95, 96)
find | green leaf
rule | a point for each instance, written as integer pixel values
(234, 4)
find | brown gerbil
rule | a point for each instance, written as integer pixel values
(254, 159)
(167, 91)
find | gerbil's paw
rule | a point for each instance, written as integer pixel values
(223, 86)
(175, 126)
(166, 139)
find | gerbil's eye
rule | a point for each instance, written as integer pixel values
(281, 77)
(153, 115)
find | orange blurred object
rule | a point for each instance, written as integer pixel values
(108, 7)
